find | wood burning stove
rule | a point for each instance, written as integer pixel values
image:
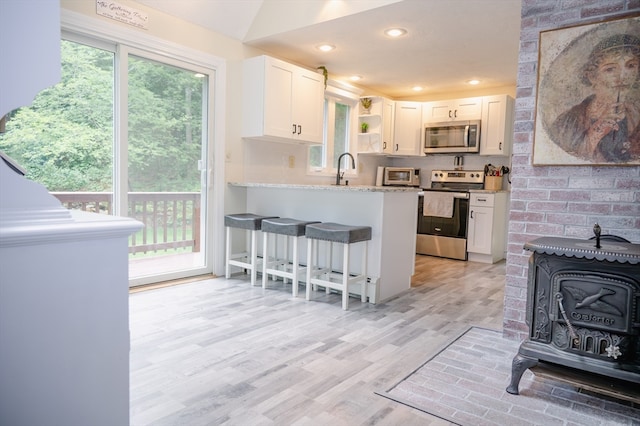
(583, 308)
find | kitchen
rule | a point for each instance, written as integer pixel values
(248, 161)
(279, 163)
(456, 141)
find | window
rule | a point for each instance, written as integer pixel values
(339, 125)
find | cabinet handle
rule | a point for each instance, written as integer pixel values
(299, 129)
(482, 199)
(455, 113)
(450, 114)
(397, 146)
(500, 146)
(384, 145)
(294, 130)
(471, 214)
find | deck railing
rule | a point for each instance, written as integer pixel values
(171, 219)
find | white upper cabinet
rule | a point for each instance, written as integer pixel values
(377, 137)
(407, 128)
(451, 110)
(497, 125)
(281, 102)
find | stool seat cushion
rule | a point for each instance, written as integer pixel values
(286, 226)
(338, 233)
(250, 221)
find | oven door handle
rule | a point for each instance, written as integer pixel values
(464, 195)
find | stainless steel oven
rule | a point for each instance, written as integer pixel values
(443, 211)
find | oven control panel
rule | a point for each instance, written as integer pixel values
(458, 176)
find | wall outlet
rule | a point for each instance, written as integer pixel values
(292, 161)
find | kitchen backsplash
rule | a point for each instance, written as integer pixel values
(272, 162)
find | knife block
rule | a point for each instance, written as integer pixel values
(493, 183)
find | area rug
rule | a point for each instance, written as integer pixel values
(465, 384)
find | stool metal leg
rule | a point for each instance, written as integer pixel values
(310, 266)
(295, 268)
(330, 263)
(265, 258)
(363, 296)
(227, 267)
(254, 256)
(345, 276)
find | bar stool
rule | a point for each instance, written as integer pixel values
(248, 259)
(285, 267)
(327, 277)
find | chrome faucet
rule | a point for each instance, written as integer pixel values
(353, 165)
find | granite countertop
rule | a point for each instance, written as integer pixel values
(358, 188)
(488, 191)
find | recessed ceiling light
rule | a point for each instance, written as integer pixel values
(416, 88)
(326, 47)
(395, 32)
(355, 78)
(474, 82)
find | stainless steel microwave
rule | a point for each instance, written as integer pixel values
(401, 176)
(452, 137)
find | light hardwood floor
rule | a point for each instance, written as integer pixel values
(219, 351)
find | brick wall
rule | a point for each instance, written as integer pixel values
(559, 201)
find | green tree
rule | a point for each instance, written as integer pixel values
(65, 138)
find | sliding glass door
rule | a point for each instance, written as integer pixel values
(126, 132)
(167, 108)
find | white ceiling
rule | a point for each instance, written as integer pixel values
(449, 41)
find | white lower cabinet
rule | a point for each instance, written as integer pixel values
(487, 227)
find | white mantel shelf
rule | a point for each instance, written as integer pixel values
(343, 188)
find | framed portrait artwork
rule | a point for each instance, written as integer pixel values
(588, 100)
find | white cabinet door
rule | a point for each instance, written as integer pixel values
(497, 125)
(407, 128)
(480, 230)
(278, 99)
(281, 101)
(308, 106)
(486, 231)
(388, 117)
(451, 110)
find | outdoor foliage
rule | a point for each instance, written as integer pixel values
(65, 139)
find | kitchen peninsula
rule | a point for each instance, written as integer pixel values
(390, 211)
